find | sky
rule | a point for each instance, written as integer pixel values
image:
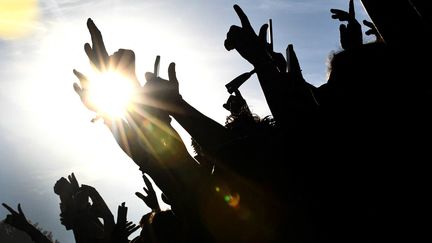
(45, 131)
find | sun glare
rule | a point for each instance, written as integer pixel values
(17, 18)
(111, 93)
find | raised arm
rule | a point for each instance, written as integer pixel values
(288, 95)
(206, 132)
(255, 49)
(19, 221)
(74, 214)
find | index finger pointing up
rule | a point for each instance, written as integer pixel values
(97, 40)
(243, 18)
(20, 210)
(351, 9)
(9, 208)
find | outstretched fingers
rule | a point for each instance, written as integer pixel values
(156, 66)
(172, 73)
(20, 210)
(140, 195)
(131, 228)
(90, 54)
(97, 40)
(73, 181)
(78, 89)
(93, 194)
(243, 18)
(368, 24)
(340, 15)
(351, 10)
(100, 54)
(148, 184)
(13, 212)
(84, 83)
(82, 78)
(372, 29)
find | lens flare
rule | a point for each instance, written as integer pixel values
(233, 200)
(111, 93)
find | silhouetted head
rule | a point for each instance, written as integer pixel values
(160, 227)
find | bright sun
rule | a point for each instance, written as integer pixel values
(110, 93)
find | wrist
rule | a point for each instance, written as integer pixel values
(263, 62)
(180, 105)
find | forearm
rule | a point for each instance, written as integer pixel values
(289, 96)
(158, 150)
(271, 81)
(207, 133)
(36, 235)
(180, 185)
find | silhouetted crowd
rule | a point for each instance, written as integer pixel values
(343, 162)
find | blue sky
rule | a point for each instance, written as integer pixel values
(46, 133)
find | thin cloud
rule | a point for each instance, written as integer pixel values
(295, 6)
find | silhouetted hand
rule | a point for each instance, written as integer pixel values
(123, 231)
(372, 31)
(16, 219)
(63, 187)
(350, 34)
(66, 189)
(151, 199)
(123, 228)
(83, 91)
(122, 61)
(19, 221)
(98, 207)
(89, 224)
(70, 204)
(97, 53)
(165, 91)
(250, 46)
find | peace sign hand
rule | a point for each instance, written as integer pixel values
(151, 199)
(16, 219)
